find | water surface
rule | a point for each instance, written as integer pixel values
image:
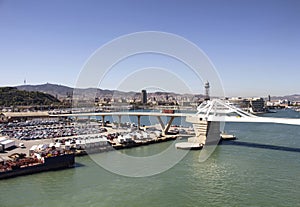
(261, 168)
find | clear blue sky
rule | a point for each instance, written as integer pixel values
(254, 44)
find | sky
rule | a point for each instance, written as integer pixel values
(254, 45)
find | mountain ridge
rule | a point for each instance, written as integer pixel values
(12, 96)
(62, 91)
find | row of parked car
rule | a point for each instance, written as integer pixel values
(31, 130)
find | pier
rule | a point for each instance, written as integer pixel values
(206, 122)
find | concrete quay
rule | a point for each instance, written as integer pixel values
(116, 139)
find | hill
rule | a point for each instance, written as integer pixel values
(11, 96)
(53, 89)
(61, 91)
(294, 97)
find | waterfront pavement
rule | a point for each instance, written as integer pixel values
(29, 143)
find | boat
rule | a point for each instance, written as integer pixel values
(21, 165)
(188, 146)
(225, 136)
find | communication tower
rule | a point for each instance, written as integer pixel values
(206, 86)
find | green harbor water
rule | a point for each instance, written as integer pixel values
(261, 168)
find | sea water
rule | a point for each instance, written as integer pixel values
(260, 168)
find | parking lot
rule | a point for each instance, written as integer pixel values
(45, 129)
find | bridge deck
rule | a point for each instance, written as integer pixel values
(124, 114)
(164, 127)
(292, 121)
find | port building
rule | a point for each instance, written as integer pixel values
(22, 116)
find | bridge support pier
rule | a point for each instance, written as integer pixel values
(165, 128)
(207, 132)
(139, 121)
(103, 123)
(201, 130)
(119, 123)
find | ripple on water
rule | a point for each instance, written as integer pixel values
(235, 175)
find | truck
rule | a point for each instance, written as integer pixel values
(8, 144)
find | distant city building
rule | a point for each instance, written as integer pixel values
(206, 86)
(253, 105)
(257, 105)
(144, 97)
(281, 103)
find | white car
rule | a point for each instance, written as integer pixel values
(21, 145)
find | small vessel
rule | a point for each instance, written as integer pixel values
(188, 146)
(225, 136)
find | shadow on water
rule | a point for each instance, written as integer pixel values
(261, 146)
(77, 164)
